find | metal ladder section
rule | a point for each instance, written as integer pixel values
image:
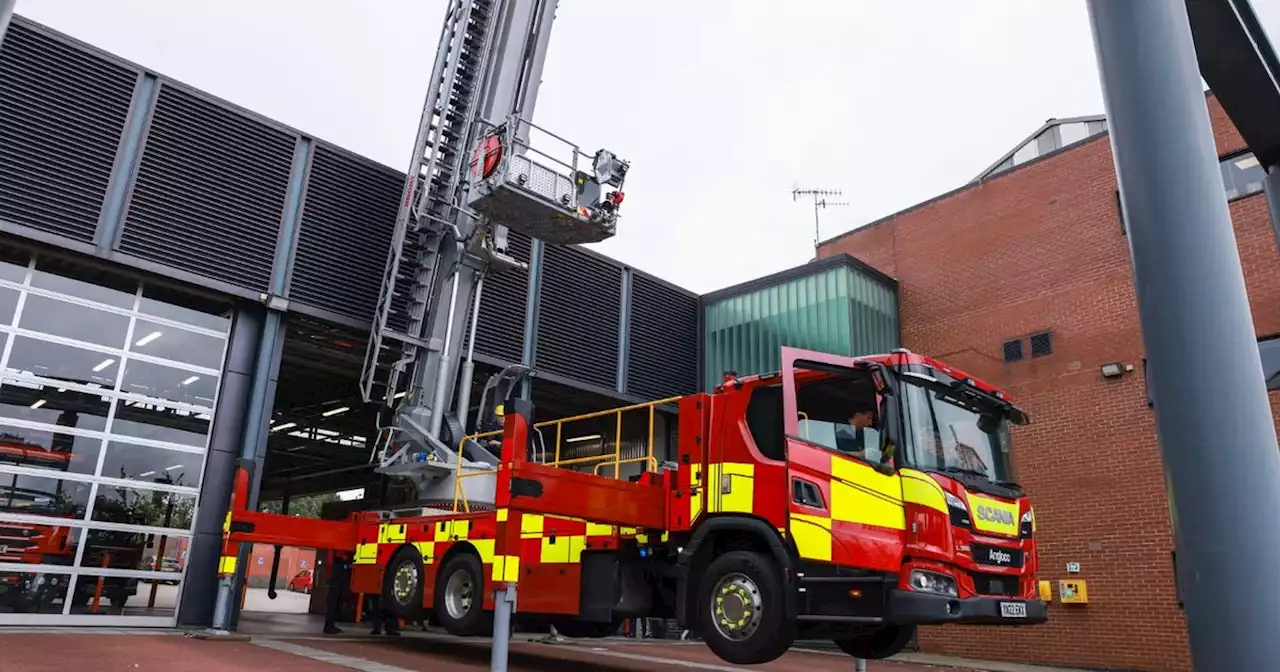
(425, 216)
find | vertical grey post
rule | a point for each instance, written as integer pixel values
(530, 346)
(624, 329)
(1215, 427)
(6, 15)
(200, 591)
(504, 604)
(266, 370)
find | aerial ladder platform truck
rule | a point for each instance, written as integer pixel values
(844, 498)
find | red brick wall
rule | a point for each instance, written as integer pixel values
(1041, 248)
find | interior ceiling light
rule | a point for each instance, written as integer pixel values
(148, 338)
(146, 474)
(190, 380)
(576, 439)
(176, 466)
(286, 425)
(335, 411)
(38, 403)
(104, 364)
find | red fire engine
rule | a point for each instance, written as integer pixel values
(35, 544)
(843, 498)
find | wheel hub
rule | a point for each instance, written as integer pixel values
(406, 581)
(458, 594)
(737, 607)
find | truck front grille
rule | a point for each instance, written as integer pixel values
(995, 584)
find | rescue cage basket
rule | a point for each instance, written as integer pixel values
(557, 197)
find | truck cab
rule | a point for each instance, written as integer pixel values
(890, 484)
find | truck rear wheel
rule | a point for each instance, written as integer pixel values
(402, 584)
(741, 614)
(878, 643)
(459, 597)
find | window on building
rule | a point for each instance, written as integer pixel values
(1269, 349)
(1013, 350)
(1041, 344)
(1242, 175)
(107, 396)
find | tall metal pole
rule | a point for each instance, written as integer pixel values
(6, 15)
(1215, 426)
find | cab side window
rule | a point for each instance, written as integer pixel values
(840, 413)
(764, 419)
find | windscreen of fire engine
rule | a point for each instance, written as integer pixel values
(838, 411)
(947, 436)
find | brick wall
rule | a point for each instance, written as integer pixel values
(1041, 248)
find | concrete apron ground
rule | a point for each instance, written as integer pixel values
(46, 648)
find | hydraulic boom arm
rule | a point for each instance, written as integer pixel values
(474, 177)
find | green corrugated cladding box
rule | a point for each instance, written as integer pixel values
(836, 304)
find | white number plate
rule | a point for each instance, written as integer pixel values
(1013, 610)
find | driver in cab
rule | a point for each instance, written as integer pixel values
(851, 439)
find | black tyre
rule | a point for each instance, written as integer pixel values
(741, 609)
(459, 597)
(402, 584)
(878, 643)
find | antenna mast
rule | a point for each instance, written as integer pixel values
(819, 201)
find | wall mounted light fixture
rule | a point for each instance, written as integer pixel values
(1114, 369)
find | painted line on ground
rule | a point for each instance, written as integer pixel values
(326, 657)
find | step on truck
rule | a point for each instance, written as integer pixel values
(841, 498)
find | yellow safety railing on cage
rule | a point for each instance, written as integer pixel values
(613, 459)
(458, 493)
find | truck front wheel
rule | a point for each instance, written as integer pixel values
(741, 612)
(878, 643)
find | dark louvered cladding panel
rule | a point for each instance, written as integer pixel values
(346, 231)
(578, 316)
(500, 332)
(210, 191)
(663, 333)
(62, 112)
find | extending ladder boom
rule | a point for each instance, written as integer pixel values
(474, 175)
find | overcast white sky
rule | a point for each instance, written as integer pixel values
(722, 106)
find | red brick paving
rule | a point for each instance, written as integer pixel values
(433, 654)
(168, 653)
(140, 653)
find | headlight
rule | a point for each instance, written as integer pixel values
(959, 512)
(1026, 525)
(931, 582)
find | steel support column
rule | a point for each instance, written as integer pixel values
(1216, 431)
(200, 590)
(266, 372)
(529, 351)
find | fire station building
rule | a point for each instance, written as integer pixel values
(184, 282)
